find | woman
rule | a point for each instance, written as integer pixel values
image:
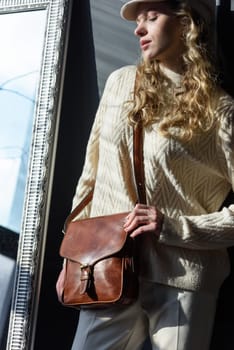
(189, 170)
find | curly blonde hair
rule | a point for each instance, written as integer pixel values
(185, 111)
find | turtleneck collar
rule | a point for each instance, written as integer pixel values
(173, 76)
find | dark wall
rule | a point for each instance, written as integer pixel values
(225, 25)
(56, 324)
(223, 336)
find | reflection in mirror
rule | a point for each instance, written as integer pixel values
(32, 45)
(20, 62)
(18, 85)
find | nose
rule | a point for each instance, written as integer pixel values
(140, 30)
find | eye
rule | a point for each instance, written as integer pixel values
(152, 19)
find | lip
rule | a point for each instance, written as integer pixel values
(144, 44)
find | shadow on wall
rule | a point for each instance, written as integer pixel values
(225, 28)
(55, 324)
(223, 337)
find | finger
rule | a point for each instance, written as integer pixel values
(139, 210)
(150, 228)
(136, 222)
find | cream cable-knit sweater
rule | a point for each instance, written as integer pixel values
(187, 182)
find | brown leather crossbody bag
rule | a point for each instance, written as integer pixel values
(99, 255)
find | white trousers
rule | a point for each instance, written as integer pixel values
(174, 319)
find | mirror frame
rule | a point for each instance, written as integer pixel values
(32, 238)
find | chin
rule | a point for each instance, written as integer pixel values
(150, 59)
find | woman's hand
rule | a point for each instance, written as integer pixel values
(144, 219)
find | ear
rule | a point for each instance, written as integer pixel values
(186, 24)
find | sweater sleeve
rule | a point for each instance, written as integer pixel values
(213, 230)
(86, 181)
(209, 231)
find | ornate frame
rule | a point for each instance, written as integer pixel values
(37, 196)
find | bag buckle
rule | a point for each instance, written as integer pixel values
(86, 277)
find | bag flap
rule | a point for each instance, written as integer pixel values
(88, 240)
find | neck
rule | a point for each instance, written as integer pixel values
(174, 67)
(173, 75)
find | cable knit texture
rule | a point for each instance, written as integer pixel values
(188, 182)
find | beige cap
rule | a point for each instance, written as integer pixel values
(206, 8)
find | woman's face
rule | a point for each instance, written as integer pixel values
(160, 34)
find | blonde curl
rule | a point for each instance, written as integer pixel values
(179, 112)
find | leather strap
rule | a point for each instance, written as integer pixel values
(138, 172)
(78, 209)
(138, 158)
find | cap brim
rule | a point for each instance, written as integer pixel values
(129, 10)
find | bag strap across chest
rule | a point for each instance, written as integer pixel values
(138, 173)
